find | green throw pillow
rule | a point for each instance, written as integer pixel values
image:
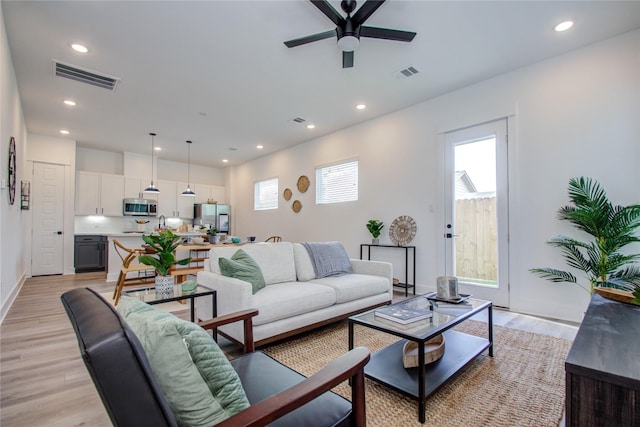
(242, 266)
(200, 385)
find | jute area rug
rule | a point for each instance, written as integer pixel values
(522, 385)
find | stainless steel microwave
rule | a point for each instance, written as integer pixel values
(139, 207)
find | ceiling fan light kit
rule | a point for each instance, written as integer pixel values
(349, 30)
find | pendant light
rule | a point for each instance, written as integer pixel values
(188, 191)
(151, 188)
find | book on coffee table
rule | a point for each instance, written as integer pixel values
(403, 314)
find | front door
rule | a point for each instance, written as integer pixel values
(476, 210)
(47, 239)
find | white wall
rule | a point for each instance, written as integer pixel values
(575, 115)
(12, 232)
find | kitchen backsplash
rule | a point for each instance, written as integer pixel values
(106, 224)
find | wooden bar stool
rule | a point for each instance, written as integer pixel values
(142, 271)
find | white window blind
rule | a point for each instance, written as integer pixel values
(265, 195)
(337, 183)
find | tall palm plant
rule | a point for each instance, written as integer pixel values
(612, 228)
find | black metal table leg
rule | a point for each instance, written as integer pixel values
(490, 322)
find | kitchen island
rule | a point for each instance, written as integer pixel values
(134, 240)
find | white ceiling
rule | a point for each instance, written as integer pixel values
(218, 73)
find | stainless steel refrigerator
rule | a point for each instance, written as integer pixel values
(216, 215)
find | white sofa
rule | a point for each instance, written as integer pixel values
(293, 300)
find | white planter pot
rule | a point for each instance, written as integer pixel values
(164, 285)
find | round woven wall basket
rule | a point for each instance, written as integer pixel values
(433, 350)
(303, 184)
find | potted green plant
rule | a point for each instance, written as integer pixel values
(374, 226)
(602, 258)
(164, 245)
(213, 235)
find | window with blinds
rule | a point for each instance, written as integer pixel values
(337, 183)
(265, 195)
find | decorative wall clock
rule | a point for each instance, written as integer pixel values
(402, 230)
(12, 170)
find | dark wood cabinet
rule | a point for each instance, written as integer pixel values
(603, 367)
(90, 253)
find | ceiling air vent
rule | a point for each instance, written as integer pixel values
(85, 76)
(408, 72)
(298, 120)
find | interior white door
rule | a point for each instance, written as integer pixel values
(48, 219)
(476, 210)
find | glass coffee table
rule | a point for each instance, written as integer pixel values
(386, 365)
(150, 296)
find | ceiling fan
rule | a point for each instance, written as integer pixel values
(350, 29)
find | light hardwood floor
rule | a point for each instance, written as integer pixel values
(43, 381)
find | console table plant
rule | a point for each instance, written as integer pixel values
(375, 227)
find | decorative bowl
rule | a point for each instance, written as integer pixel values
(235, 240)
(197, 240)
(433, 350)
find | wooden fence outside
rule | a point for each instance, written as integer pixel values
(476, 244)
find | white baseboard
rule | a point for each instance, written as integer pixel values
(12, 297)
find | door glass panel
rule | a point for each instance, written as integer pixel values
(476, 210)
(476, 251)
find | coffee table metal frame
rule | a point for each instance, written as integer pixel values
(385, 366)
(149, 296)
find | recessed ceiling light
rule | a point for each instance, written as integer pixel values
(311, 126)
(564, 26)
(360, 107)
(259, 147)
(79, 48)
(70, 103)
(225, 161)
(157, 148)
(64, 132)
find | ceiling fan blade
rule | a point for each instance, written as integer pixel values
(365, 11)
(329, 11)
(347, 59)
(387, 34)
(311, 38)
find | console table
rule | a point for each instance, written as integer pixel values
(406, 285)
(603, 366)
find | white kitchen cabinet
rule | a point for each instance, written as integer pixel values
(99, 194)
(184, 204)
(167, 199)
(218, 194)
(171, 202)
(205, 192)
(133, 188)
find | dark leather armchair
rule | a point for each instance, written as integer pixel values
(278, 395)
